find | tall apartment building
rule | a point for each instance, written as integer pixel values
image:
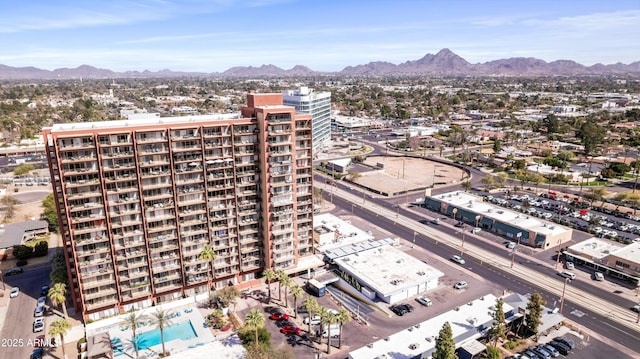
(138, 200)
(318, 105)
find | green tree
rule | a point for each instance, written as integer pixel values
(327, 318)
(287, 282)
(296, 292)
(466, 185)
(60, 327)
(342, 318)
(488, 183)
(22, 252)
(596, 194)
(535, 308)
(551, 123)
(280, 274)
(227, 296)
(23, 169)
(254, 321)
(132, 320)
(493, 352)
(312, 307)
(9, 203)
(58, 296)
(162, 319)
(498, 328)
(50, 213)
(445, 346)
(58, 269)
(497, 145)
(591, 134)
(269, 275)
(209, 255)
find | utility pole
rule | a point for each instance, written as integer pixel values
(566, 280)
(462, 245)
(513, 251)
(558, 253)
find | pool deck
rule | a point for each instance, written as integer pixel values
(194, 315)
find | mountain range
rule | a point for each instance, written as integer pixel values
(443, 63)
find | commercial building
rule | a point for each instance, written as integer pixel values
(472, 209)
(316, 104)
(611, 258)
(139, 199)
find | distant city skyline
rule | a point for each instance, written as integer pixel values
(215, 35)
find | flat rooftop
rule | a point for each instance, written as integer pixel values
(62, 127)
(420, 338)
(345, 232)
(473, 203)
(595, 248)
(387, 269)
(630, 252)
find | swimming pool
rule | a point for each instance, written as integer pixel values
(182, 331)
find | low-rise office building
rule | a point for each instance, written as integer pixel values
(609, 257)
(523, 227)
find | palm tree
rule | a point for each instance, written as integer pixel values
(60, 327)
(58, 296)
(287, 283)
(208, 254)
(162, 319)
(269, 275)
(132, 320)
(296, 292)
(280, 274)
(254, 320)
(329, 318)
(342, 318)
(311, 305)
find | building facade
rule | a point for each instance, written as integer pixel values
(138, 201)
(318, 105)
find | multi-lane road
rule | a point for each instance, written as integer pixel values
(584, 302)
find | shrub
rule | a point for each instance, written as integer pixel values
(22, 251)
(41, 249)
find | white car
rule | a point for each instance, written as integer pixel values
(458, 259)
(476, 230)
(14, 292)
(315, 320)
(511, 245)
(38, 325)
(461, 285)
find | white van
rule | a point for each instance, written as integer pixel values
(315, 320)
(39, 311)
(335, 331)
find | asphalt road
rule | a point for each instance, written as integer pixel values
(17, 336)
(585, 317)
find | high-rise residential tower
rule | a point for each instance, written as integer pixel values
(138, 200)
(318, 105)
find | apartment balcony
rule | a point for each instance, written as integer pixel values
(158, 194)
(249, 265)
(152, 149)
(154, 163)
(94, 283)
(193, 232)
(133, 263)
(168, 285)
(248, 249)
(135, 274)
(100, 227)
(124, 199)
(109, 301)
(160, 228)
(146, 173)
(83, 194)
(148, 138)
(138, 292)
(87, 217)
(75, 145)
(197, 278)
(217, 132)
(88, 156)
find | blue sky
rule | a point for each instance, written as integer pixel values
(325, 35)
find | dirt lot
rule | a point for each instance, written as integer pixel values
(401, 174)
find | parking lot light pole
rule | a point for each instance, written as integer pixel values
(462, 245)
(564, 287)
(558, 253)
(513, 251)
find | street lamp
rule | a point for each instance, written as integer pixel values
(462, 245)
(414, 237)
(564, 287)
(352, 204)
(558, 253)
(513, 250)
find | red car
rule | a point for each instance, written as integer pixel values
(290, 329)
(279, 316)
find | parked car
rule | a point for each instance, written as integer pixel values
(37, 353)
(553, 351)
(511, 245)
(567, 342)
(279, 316)
(599, 276)
(561, 348)
(540, 352)
(435, 221)
(424, 301)
(458, 259)
(302, 309)
(42, 300)
(569, 265)
(290, 329)
(461, 285)
(14, 292)
(39, 311)
(13, 271)
(315, 320)
(460, 224)
(636, 308)
(401, 309)
(44, 290)
(38, 325)
(476, 230)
